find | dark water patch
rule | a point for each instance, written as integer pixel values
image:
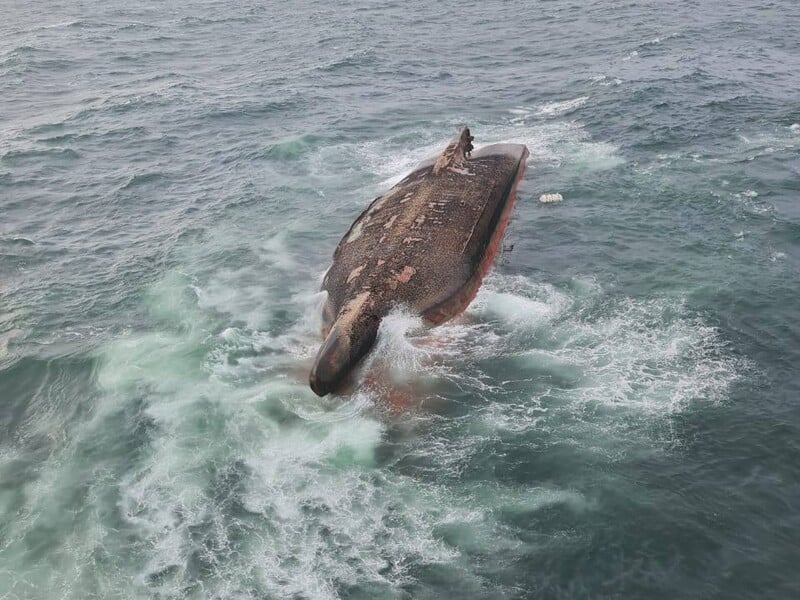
(137, 26)
(29, 61)
(192, 235)
(191, 21)
(350, 63)
(136, 59)
(40, 397)
(250, 110)
(18, 158)
(21, 51)
(21, 242)
(134, 103)
(125, 134)
(46, 128)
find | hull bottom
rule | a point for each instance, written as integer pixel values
(458, 302)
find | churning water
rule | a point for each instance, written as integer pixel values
(616, 415)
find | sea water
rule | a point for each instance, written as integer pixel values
(615, 416)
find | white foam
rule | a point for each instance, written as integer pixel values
(644, 359)
(5, 339)
(605, 81)
(564, 144)
(554, 109)
(309, 482)
(392, 166)
(543, 497)
(243, 473)
(765, 142)
(275, 251)
(59, 25)
(596, 156)
(514, 308)
(658, 39)
(397, 354)
(750, 200)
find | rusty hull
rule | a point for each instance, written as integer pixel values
(425, 244)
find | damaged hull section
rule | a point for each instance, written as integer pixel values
(426, 244)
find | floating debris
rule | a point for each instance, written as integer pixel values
(548, 198)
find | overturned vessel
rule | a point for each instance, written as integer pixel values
(425, 244)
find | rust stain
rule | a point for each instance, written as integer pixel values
(406, 275)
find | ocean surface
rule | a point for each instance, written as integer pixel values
(617, 414)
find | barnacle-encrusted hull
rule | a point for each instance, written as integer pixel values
(426, 244)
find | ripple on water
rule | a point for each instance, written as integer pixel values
(163, 319)
(17, 158)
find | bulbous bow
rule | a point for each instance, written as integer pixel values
(350, 338)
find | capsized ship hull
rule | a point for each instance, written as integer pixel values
(426, 244)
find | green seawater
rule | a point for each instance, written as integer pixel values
(616, 414)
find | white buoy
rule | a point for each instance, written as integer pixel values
(548, 198)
